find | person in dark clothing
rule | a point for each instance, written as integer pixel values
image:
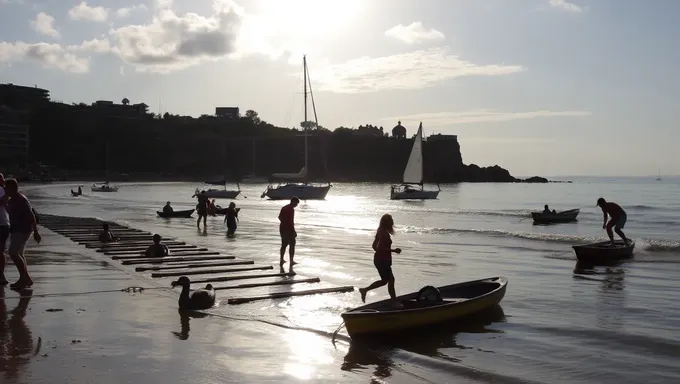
(618, 219)
(157, 249)
(22, 224)
(4, 229)
(202, 209)
(168, 209)
(106, 236)
(231, 218)
(382, 259)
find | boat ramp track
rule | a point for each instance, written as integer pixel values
(200, 264)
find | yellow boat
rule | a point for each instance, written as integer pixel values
(426, 307)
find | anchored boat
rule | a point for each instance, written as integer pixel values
(603, 253)
(559, 217)
(185, 213)
(426, 307)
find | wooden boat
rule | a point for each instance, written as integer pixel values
(106, 187)
(603, 253)
(426, 307)
(559, 217)
(185, 213)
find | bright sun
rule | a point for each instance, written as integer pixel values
(315, 18)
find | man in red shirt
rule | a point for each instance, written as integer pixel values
(618, 220)
(287, 229)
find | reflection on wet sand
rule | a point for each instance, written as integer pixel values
(611, 296)
(16, 340)
(376, 351)
(185, 317)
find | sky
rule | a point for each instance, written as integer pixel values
(540, 87)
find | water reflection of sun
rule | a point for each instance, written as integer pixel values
(307, 352)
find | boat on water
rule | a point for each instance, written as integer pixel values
(298, 185)
(412, 180)
(223, 193)
(558, 217)
(427, 307)
(106, 187)
(603, 253)
(185, 214)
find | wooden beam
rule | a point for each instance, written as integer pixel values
(244, 277)
(279, 282)
(138, 249)
(115, 246)
(140, 256)
(197, 265)
(279, 295)
(209, 271)
(170, 259)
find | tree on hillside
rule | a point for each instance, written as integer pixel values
(253, 116)
(309, 125)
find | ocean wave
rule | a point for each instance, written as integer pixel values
(642, 207)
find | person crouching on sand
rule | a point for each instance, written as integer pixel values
(106, 236)
(618, 220)
(382, 259)
(157, 249)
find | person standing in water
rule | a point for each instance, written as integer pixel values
(202, 209)
(287, 229)
(4, 229)
(618, 220)
(382, 259)
(231, 218)
(22, 224)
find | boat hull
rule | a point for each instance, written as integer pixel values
(221, 194)
(551, 218)
(410, 193)
(104, 189)
(185, 214)
(301, 191)
(602, 254)
(460, 300)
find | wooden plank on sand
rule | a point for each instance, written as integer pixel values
(209, 271)
(141, 256)
(279, 295)
(170, 259)
(116, 246)
(279, 282)
(137, 249)
(197, 265)
(244, 277)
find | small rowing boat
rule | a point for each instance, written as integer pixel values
(185, 213)
(559, 217)
(603, 253)
(426, 307)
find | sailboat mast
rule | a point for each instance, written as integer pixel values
(304, 66)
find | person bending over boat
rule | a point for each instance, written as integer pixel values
(106, 236)
(382, 259)
(4, 229)
(231, 218)
(168, 209)
(287, 229)
(202, 209)
(22, 224)
(157, 249)
(618, 219)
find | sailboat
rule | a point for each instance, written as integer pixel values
(223, 193)
(297, 184)
(106, 186)
(412, 181)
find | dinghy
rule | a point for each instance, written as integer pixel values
(185, 213)
(559, 217)
(426, 307)
(603, 253)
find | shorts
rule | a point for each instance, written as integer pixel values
(202, 211)
(620, 222)
(384, 268)
(4, 235)
(287, 237)
(17, 243)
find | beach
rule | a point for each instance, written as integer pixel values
(619, 325)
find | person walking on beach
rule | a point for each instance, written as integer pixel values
(22, 224)
(4, 229)
(618, 219)
(287, 229)
(230, 218)
(202, 209)
(382, 259)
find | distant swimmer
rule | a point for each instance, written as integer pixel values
(231, 218)
(382, 259)
(618, 219)
(157, 249)
(168, 210)
(106, 236)
(287, 229)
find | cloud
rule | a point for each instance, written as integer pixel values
(413, 33)
(125, 12)
(171, 42)
(47, 55)
(437, 119)
(44, 24)
(85, 12)
(11, 1)
(95, 45)
(413, 70)
(566, 6)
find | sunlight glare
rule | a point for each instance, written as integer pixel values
(310, 18)
(307, 351)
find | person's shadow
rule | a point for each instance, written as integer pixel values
(16, 340)
(185, 317)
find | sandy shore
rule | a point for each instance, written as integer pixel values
(68, 331)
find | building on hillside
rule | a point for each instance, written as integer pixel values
(14, 135)
(440, 137)
(121, 110)
(399, 131)
(228, 113)
(22, 98)
(369, 130)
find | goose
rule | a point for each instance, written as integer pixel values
(198, 299)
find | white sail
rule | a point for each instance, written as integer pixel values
(413, 174)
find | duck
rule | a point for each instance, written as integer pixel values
(198, 299)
